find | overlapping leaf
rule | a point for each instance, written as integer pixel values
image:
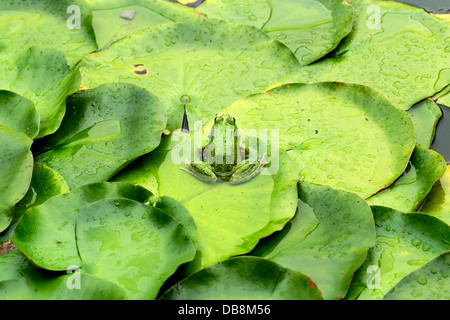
(396, 49)
(46, 233)
(16, 163)
(20, 280)
(99, 133)
(406, 193)
(404, 243)
(245, 278)
(328, 239)
(310, 28)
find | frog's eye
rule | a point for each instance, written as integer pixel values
(233, 119)
(215, 119)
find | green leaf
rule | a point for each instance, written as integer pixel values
(18, 113)
(98, 135)
(445, 100)
(425, 116)
(113, 20)
(46, 234)
(43, 76)
(177, 211)
(16, 163)
(431, 282)
(399, 50)
(437, 202)
(45, 23)
(310, 28)
(20, 280)
(328, 238)
(404, 243)
(131, 244)
(204, 64)
(406, 193)
(341, 135)
(245, 278)
(45, 183)
(230, 219)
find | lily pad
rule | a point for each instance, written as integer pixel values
(179, 213)
(18, 113)
(328, 238)
(245, 278)
(230, 219)
(131, 244)
(437, 202)
(425, 116)
(46, 234)
(16, 163)
(406, 193)
(399, 50)
(341, 135)
(310, 28)
(98, 134)
(204, 64)
(404, 243)
(445, 100)
(117, 19)
(46, 23)
(22, 281)
(45, 183)
(431, 282)
(43, 76)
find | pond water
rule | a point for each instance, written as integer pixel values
(436, 6)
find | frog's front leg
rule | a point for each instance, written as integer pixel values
(201, 171)
(246, 171)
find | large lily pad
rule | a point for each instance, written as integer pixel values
(310, 28)
(437, 202)
(328, 239)
(204, 64)
(345, 136)
(18, 113)
(43, 76)
(131, 244)
(45, 23)
(20, 280)
(399, 50)
(45, 183)
(245, 278)
(431, 282)
(16, 163)
(404, 243)
(406, 193)
(46, 233)
(230, 219)
(98, 135)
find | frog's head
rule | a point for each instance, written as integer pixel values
(225, 121)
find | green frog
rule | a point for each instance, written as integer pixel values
(232, 165)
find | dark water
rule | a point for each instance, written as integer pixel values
(441, 143)
(435, 6)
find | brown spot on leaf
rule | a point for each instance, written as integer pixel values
(311, 283)
(140, 72)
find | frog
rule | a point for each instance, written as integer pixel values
(234, 165)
